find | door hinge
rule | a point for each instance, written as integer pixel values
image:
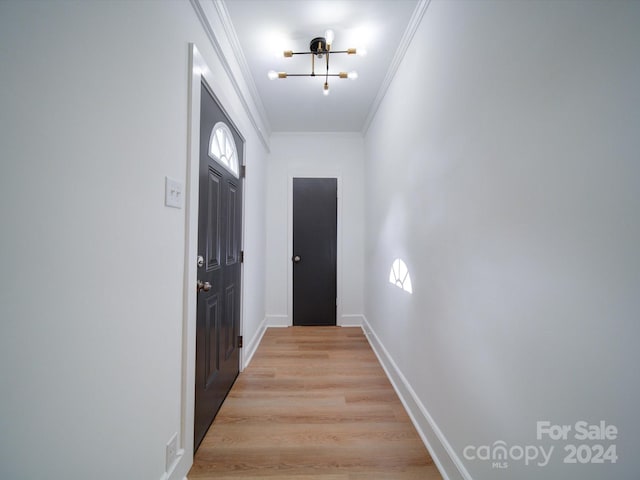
(239, 341)
(243, 171)
(241, 256)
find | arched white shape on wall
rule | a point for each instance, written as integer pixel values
(399, 275)
(222, 148)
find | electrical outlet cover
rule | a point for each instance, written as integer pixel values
(172, 452)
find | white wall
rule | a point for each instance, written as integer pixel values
(93, 116)
(315, 155)
(254, 242)
(502, 166)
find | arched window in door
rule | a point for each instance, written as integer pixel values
(222, 148)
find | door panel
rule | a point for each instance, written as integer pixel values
(232, 245)
(213, 221)
(211, 340)
(315, 205)
(219, 237)
(229, 333)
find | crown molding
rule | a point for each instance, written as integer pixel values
(348, 134)
(412, 27)
(258, 118)
(232, 36)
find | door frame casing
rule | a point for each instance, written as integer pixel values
(312, 172)
(199, 72)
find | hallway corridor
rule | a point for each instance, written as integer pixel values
(313, 404)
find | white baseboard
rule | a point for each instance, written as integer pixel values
(444, 456)
(278, 321)
(252, 345)
(267, 322)
(346, 320)
(177, 470)
(351, 320)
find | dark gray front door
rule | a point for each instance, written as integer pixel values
(315, 210)
(219, 241)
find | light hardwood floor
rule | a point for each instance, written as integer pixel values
(314, 404)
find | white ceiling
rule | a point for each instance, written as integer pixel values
(265, 28)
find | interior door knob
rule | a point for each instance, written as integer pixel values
(296, 259)
(203, 286)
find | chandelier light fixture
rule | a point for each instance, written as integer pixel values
(319, 47)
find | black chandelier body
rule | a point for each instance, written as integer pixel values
(319, 47)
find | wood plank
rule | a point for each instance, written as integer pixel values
(314, 404)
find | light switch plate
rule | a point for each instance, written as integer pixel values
(173, 192)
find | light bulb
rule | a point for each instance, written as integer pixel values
(362, 52)
(272, 74)
(352, 75)
(325, 90)
(329, 36)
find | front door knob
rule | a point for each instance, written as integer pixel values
(296, 259)
(203, 286)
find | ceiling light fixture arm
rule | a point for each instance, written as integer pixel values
(291, 53)
(339, 75)
(326, 77)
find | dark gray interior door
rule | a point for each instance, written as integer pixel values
(315, 210)
(219, 241)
